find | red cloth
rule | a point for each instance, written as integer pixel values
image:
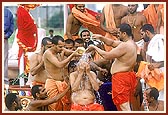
(123, 86)
(27, 37)
(90, 107)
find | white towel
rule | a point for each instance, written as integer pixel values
(156, 48)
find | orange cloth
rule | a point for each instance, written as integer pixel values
(88, 21)
(37, 83)
(55, 87)
(73, 37)
(162, 26)
(151, 14)
(154, 78)
(123, 87)
(90, 107)
(110, 23)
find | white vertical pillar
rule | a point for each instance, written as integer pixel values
(65, 16)
(21, 70)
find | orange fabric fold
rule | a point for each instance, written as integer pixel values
(110, 23)
(123, 88)
(55, 87)
(38, 83)
(88, 21)
(151, 14)
(73, 37)
(154, 78)
(90, 107)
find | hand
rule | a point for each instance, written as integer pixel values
(97, 17)
(76, 53)
(151, 67)
(90, 48)
(81, 67)
(96, 36)
(103, 71)
(87, 68)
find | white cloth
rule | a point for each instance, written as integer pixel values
(156, 48)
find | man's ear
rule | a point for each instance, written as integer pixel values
(14, 104)
(37, 94)
(152, 98)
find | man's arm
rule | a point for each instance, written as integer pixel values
(107, 41)
(35, 66)
(92, 77)
(75, 81)
(114, 53)
(53, 59)
(40, 103)
(69, 26)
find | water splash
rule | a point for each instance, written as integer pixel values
(98, 98)
(85, 57)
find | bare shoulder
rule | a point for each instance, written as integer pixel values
(70, 16)
(73, 74)
(124, 19)
(140, 15)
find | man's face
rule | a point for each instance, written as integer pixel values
(78, 45)
(86, 36)
(144, 36)
(132, 8)
(69, 46)
(120, 35)
(42, 93)
(149, 99)
(18, 102)
(60, 46)
(49, 45)
(80, 7)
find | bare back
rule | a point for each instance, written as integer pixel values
(53, 71)
(127, 60)
(136, 22)
(41, 74)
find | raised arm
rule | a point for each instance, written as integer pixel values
(107, 41)
(92, 77)
(69, 26)
(114, 53)
(49, 56)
